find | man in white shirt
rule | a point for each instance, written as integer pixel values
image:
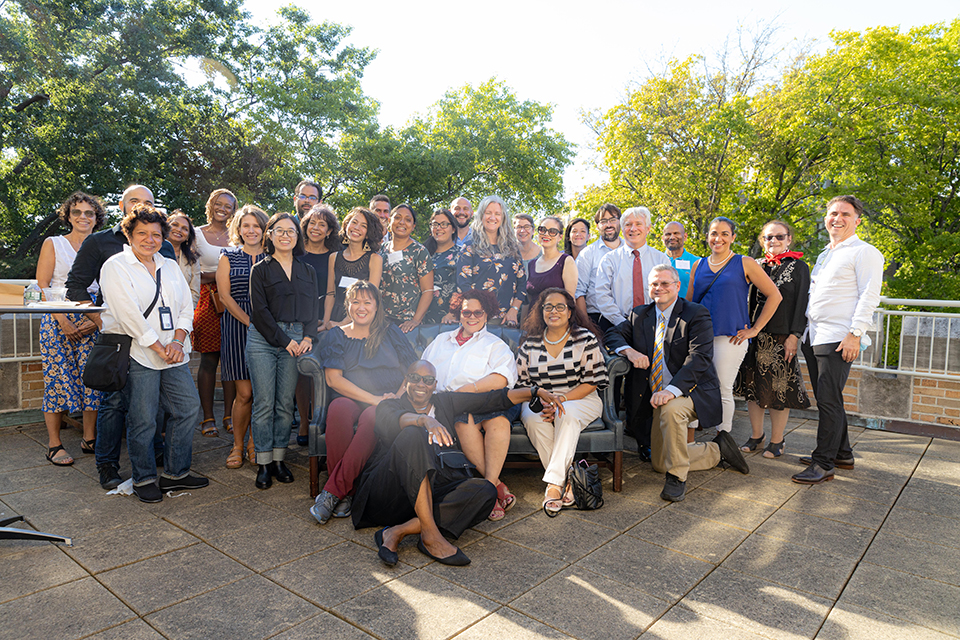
(462, 212)
(674, 238)
(608, 222)
(844, 293)
(622, 274)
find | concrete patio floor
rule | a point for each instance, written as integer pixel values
(873, 554)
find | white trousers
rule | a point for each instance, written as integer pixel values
(727, 357)
(556, 442)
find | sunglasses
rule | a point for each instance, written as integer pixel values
(777, 236)
(546, 231)
(467, 313)
(416, 378)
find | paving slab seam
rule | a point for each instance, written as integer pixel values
(867, 547)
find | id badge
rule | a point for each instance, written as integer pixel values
(166, 319)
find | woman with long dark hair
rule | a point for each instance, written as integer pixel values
(561, 353)
(407, 287)
(576, 237)
(183, 237)
(444, 250)
(359, 259)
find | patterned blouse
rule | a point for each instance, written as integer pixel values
(444, 282)
(400, 285)
(580, 362)
(502, 275)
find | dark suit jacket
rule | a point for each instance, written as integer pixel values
(688, 354)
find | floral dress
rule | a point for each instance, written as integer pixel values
(444, 283)
(497, 273)
(400, 285)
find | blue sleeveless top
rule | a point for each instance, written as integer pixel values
(727, 299)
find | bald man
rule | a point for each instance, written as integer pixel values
(463, 213)
(674, 239)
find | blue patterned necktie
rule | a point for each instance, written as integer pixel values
(657, 371)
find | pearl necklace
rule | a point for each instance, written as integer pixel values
(717, 264)
(562, 338)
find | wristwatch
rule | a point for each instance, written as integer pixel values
(856, 332)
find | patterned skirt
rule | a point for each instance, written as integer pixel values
(766, 377)
(62, 362)
(206, 322)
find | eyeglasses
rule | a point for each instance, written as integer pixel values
(663, 285)
(776, 236)
(416, 378)
(289, 233)
(300, 196)
(468, 313)
(439, 225)
(606, 222)
(546, 231)
(549, 308)
(83, 213)
(524, 227)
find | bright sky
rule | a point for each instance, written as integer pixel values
(573, 55)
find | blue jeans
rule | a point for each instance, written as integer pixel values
(111, 421)
(273, 378)
(148, 389)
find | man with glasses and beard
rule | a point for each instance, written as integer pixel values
(608, 222)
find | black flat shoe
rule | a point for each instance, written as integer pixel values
(814, 474)
(265, 476)
(839, 463)
(282, 474)
(459, 559)
(388, 557)
(674, 490)
(730, 453)
(303, 441)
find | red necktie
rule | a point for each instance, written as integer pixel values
(638, 298)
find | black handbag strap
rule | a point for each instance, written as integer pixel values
(715, 276)
(156, 297)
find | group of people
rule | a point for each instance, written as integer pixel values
(251, 294)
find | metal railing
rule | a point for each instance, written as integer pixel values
(19, 334)
(914, 343)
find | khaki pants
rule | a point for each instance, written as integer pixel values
(669, 450)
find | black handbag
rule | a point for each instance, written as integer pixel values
(585, 481)
(109, 361)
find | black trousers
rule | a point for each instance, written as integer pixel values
(636, 424)
(828, 376)
(388, 490)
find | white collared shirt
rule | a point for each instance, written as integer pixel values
(483, 354)
(128, 289)
(614, 286)
(844, 290)
(587, 263)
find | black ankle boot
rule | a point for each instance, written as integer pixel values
(283, 474)
(265, 475)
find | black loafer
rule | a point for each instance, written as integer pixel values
(388, 557)
(265, 476)
(109, 476)
(282, 474)
(183, 484)
(459, 559)
(148, 492)
(814, 474)
(644, 453)
(730, 452)
(674, 490)
(839, 463)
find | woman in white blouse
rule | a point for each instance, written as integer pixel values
(473, 360)
(148, 299)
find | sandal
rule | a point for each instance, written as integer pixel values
(63, 461)
(552, 511)
(211, 431)
(497, 513)
(228, 424)
(773, 450)
(88, 446)
(568, 501)
(251, 451)
(235, 459)
(752, 444)
(504, 497)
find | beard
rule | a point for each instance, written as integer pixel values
(464, 224)
(610, 234)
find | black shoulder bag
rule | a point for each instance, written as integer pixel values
(109, 361)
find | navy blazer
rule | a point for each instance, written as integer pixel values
(688, 354)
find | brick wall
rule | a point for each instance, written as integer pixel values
(936, 401)
(31, 385)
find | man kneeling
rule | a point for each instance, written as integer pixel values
(418, 481)
(677, 381)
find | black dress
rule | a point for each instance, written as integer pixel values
(388, 488)
(359, 269)
(378, 375)
(765, 376)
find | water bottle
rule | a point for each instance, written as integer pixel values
(31, 294)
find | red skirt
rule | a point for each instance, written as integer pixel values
(206, 322)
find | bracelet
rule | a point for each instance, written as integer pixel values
(516, 308)
(476, 388)
(179, 342)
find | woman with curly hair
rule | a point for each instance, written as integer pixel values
(66, 339)
(213, 236)
(183, 238)
(361, 236)
(561, 353)
(492, 263)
